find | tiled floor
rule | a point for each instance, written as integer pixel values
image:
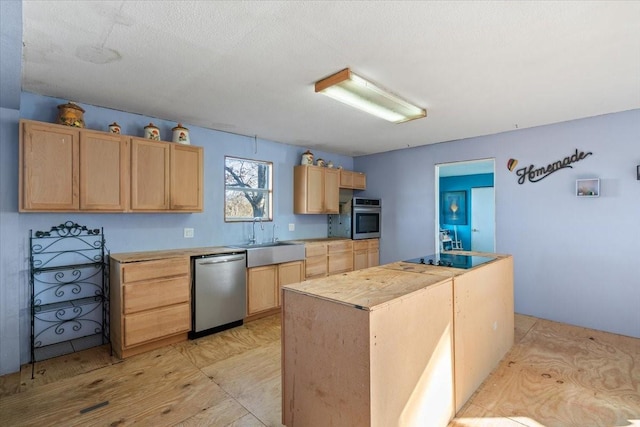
(555, 375)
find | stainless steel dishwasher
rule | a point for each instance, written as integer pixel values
(219, 295)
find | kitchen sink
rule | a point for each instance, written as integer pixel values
(272, 253)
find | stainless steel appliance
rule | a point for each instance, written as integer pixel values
(219, 293)
(366, 218)
(451, 260)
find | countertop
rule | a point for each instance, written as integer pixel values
(173, 253)
(375, 287)
(208, 250)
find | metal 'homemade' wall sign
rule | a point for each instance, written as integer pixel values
(533, 174)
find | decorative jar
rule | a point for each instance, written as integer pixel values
(114, 128)
(152, 131)
(321, 163)
(307, 158)
(70, 114)
(181, 134)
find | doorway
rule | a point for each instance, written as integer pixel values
(471, 184)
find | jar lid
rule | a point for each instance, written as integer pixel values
(179, 127)
(114, 124)
(151, 125)
(71, 105)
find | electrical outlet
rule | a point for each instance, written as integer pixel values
(188, 233)
(292, 227)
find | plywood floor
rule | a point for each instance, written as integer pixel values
(555, 375)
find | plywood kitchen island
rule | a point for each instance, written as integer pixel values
(396, 345)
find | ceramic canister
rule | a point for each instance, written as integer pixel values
(151, 131)
(114, 128)
(181, 134)
(70, 114)
(307, 158)
(321, 163)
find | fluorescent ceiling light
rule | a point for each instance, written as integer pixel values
(357, 92)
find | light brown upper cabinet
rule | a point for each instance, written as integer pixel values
(166, 176)
(149, 175)
(187, 178)
(353, 180)
(67, 169)
(104, 171)
(316, 190)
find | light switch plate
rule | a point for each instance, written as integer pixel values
(292, 227)
(188, 233)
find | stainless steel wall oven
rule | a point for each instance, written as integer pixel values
(366, 218)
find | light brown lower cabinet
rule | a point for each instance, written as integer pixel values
(315, 260)
(417, 345)
(388, 365)
(339, 257)
(366, 253)
(264, 284)
(150, 304)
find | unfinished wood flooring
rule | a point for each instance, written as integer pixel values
(555, 375)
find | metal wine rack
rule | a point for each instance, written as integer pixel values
(69, 290)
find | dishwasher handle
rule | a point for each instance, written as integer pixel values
(221, 260)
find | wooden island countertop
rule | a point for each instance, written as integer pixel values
(399, 344)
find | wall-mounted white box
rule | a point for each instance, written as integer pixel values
(588, 187)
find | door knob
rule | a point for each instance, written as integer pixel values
(475, 230)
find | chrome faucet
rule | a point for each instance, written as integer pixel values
(253, 239)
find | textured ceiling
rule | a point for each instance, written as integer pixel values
(248, 67)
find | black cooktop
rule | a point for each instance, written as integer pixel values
(451, 260)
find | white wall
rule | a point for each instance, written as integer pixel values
(576, 260)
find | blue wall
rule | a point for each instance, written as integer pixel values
(576, 259)
(466, 183)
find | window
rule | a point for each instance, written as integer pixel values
(248, 189)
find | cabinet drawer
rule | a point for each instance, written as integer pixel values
(146, 270)
(360, 245)
(148, 295)
(341, 262)
(374, 243)
(315, 249)
(341, 246)
(316, 266)
(154, 324)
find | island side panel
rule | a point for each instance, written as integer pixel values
(325, 363)
(484, 321)
(412, 359)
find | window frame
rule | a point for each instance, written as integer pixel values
(268, 192)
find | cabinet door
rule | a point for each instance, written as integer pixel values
(340, 262)
(288, 273)
(154, 324)
(373, 256)
(315, 189)
(346, 179)
(332, 191)
(261, 288)
(359, 181)
(186, 178)
(308, 190)
(104, 171)
(360, 259)
(49, 168)
(149, 175)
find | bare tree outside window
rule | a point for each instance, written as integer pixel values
(248, 189)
